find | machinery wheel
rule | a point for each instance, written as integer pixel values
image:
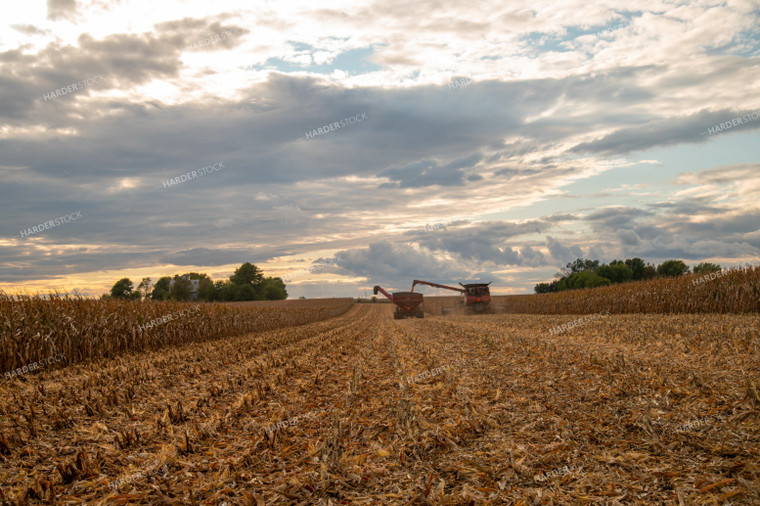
(420, 314)
(397, 316)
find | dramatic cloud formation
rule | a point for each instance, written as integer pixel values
(496, 142)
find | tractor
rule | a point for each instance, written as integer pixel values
(408, 304)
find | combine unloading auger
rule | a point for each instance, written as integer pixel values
(476, 297)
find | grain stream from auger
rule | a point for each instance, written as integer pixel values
(506, 402)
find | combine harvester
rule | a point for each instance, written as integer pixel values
(408, 304)
(476, 297)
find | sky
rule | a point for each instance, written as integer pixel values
(358, 143)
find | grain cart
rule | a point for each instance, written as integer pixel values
(408, 304)
(476, 297)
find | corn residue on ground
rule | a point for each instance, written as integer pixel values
(363, 409)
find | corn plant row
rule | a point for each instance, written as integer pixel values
(34, 328)
(736, 290)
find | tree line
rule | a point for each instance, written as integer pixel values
(246, 283)
(584, 273)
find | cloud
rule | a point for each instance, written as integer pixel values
(562, 254)
(30, 30)
(61, 9)
(213, 257)
(395, 265)
(524, 154)
(431, 172)
(484, 242)
(628, 237)
(532, 257)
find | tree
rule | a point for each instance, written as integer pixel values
(247, 292)
(161, 289)
(650, 272)
(546, 287)
(274, 289)
(579, 265)
(617, 271)
(248, 283)
(583, 279)
(206, 289)
(181, 289)
(122, 289)
(706, 268)
(226, 291)
(672, 268)
(637, 266)
(144, 287)
(247, 274)
(195, 275)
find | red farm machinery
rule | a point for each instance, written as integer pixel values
(408, 304)
(476, 297)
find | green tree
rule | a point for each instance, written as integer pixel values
(247, 274)
(588, 279)
(226, 291)
(579, 265)
(247, 292)
(161, 289)
(180, 289)
(206, 289)
(617, 271)
(637, 266)
(546, 287)
(706, 268)
(672, 268)
(274, 289)
(122, 289)
(583, 279)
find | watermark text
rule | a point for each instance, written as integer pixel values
(580, 321)
(52, 223)
(73, 87)
(459, 83)
(167, 318)
(34, 366)
(728, 125)
(193, 174)
(351, 120)
(214, 38)
(312, 268)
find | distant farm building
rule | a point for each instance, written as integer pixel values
(194, 284)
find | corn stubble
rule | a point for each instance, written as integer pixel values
(627, 409)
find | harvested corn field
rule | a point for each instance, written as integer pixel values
(364, 409)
